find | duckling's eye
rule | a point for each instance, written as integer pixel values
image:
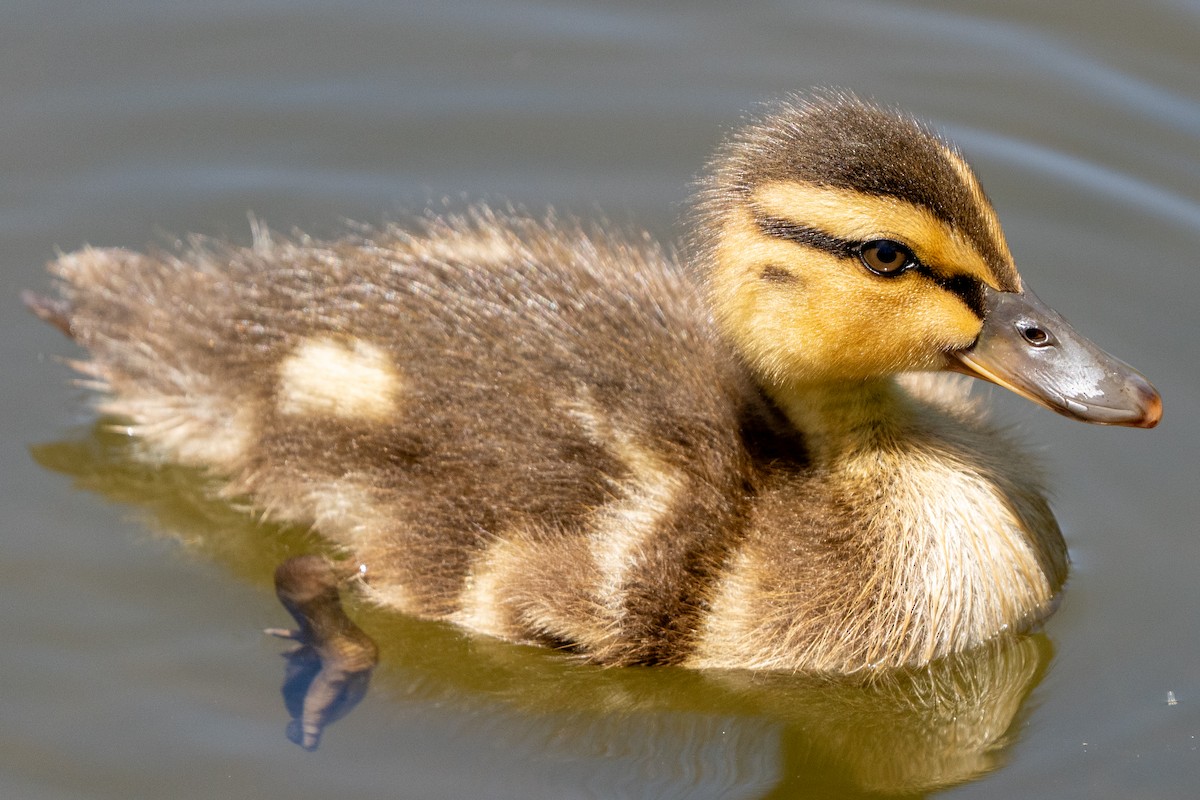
(885, 257)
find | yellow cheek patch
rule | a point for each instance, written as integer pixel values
(324, 377)
(742, 253)
(835, 320)
(857, 217)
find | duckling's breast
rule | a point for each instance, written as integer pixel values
(926, 536)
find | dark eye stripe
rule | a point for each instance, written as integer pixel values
(966, 288)
(779, 228)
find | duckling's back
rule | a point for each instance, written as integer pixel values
(514, 424)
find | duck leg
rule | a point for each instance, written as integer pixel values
(328, 671)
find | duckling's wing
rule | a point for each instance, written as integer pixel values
(514, 424)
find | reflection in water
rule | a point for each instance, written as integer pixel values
(753, 733)
(902, 733)
(329, 669)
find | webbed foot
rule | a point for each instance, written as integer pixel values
(328, 671)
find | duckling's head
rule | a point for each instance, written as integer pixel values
(842, 242)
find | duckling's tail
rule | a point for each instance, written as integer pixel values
(95, 274)
(49, 309)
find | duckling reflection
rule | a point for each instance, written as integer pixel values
(900, 731)
(905, 731)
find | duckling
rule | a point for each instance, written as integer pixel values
(561, 435)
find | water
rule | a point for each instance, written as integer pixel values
(133, 660)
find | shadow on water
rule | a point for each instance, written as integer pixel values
(903, 733)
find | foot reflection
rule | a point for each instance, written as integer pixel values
(328, 671)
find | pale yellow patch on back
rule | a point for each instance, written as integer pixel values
(324, 377)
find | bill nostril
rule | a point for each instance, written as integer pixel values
(1038, 337)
